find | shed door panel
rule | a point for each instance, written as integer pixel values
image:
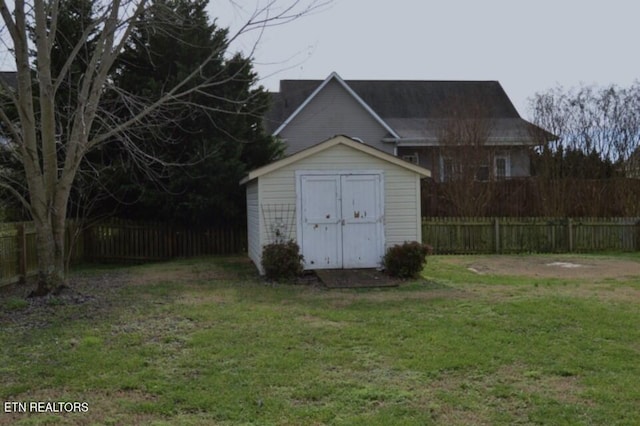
(361, 219)
(341, 221)
(321, 224)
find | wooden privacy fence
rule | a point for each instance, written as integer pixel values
(18, 258)
(532, 197)
(460, 235)
(125, 241)
(134, 242)
(119, 241)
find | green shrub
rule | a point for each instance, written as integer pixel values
(282, 261)
(406, 260)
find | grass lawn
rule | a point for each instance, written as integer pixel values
(199, 342)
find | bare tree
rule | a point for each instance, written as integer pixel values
(590, 119)
(51, 159)
(598, 131)
(465, 156)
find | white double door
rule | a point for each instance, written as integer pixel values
(341, 220)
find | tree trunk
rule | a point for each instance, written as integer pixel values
(50, 249)
(50, 278)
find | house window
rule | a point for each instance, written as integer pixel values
(412, 158)
(452, 170)
(502, 166)
(447, 171)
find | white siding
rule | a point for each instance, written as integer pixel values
(333, 112)
(401, 189)
(253, 224)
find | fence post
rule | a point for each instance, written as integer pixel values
(21, 245)
(570, 234)
(496, 230)
(87, 242)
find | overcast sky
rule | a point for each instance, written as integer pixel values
(528, 46)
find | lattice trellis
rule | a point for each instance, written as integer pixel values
(279, 220)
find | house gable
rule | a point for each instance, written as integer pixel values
(333, 108)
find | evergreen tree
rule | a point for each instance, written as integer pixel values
(205, 145)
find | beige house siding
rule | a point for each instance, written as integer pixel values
(331, 112)
(401, 190)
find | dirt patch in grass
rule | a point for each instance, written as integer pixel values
(605, 278)
(508, 390)
(563, 267)
(96, 293)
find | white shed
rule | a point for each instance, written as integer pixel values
(342, 201)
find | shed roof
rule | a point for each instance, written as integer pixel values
(322, 146)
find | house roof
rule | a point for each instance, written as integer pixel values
(427, 131)
(322, 146)
(407, 106)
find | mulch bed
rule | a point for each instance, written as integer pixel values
(356, 278)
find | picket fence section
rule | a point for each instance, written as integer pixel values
(459, 235)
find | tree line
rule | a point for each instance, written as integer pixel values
(586, 159)
(598, 129)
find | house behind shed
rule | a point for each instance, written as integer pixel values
(342, 201)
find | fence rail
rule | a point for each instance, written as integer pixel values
(454, 235)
